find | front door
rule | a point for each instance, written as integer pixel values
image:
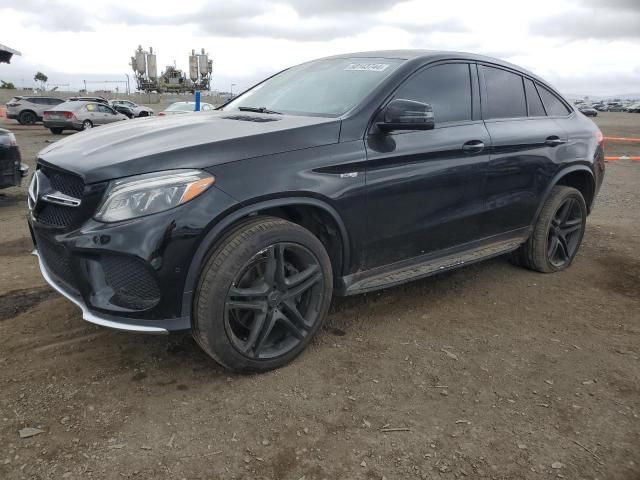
(425, 189)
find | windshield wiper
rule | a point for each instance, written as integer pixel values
(258, 110)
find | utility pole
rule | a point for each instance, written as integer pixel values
(231, 90)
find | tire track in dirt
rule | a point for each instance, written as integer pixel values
(19, 246)
(19, 301)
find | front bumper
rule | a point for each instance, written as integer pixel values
(128, 275)
(112, 321)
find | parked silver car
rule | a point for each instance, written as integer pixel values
(77, 115)
(27, 110)
(185, 107)
(137, 110)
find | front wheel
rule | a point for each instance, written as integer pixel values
(263, 294)
(557, 234)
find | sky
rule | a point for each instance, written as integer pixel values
(582, 47)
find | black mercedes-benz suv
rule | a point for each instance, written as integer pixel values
(335, 177)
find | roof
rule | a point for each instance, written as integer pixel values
(6, 53)
(433, 55)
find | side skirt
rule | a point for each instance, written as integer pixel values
(433, 263)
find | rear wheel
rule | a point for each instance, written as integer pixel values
(263, 294)
(87, 125)
(557, 234)
(27, 118)
(56, 131)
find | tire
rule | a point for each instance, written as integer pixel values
(27, 118)
(557, 234)
(282, 319)
(56, 131)
(143, 114)
(87, 125)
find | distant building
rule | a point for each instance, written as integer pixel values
(6, 53)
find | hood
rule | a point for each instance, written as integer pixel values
(197, 140)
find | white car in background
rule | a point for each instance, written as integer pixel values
(185, 107)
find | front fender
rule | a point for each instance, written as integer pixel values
(231, 217)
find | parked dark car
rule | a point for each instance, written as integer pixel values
(588, 111)
(123, 109)
(135, 109)
(634, 108)
(335, 177)
(615, 107)
(12, 170)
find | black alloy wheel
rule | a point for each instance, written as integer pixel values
(263, 294)
(557, 233)
(565, 233)
(27, 118)
(274, 302)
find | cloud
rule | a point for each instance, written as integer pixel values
(309, 8)
(603, 25)
(594, 19)
(299, 20)
(632, 5)
(52, 15)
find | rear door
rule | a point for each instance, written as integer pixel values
(425, 188)
(527, 147)
(93, 113)
(109, 114)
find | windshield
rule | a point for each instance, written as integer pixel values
(182, 107)
(328, 87)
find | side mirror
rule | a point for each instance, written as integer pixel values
(402, 114)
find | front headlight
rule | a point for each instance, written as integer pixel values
(150, 193)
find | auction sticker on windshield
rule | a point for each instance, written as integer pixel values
(368, 67)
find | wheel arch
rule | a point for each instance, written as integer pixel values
(579, 177)
(29, 110)
(285, 208)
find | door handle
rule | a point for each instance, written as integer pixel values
(554, 141)
(473, 146)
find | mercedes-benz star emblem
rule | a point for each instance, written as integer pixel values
(34, 188)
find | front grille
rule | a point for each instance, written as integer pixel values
(56, 259)
(56, 215)
(63, 182)
(134, 285)
(66, 183)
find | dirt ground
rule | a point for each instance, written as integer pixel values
(490, 371)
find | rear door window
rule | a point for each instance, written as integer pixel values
(447, 88)
(533, 100)
(554, 106)
(505, 94)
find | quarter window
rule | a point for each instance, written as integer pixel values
(555, 107)
(533, 99)
(505, 94)
(447, 88)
